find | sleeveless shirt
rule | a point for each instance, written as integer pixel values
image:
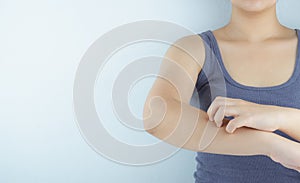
(214, 80)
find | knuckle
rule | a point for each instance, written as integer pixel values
(215, 118)
(222, 108)
(218, 97)
(233, 122)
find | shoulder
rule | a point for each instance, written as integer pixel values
(188, 51)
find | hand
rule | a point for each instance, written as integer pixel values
(245, 113)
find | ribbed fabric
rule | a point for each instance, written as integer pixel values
(214, 80)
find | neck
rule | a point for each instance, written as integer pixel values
(254, 26)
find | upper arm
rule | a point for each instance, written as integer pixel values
(179, 69)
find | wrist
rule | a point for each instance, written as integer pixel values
(286, 116)
(280, 116)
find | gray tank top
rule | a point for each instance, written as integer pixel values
(214, 80)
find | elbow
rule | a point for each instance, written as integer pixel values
(151, 131)
(147, 122)
(153, 114)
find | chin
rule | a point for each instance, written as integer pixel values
(253, 5)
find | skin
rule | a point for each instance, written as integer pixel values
(275, 42)
(168, 115)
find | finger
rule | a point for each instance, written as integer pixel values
(218, 117)
(219, 101)
(224, 111)
(236, 123)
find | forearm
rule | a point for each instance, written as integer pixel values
(183, 126)
(245, 141)
(286, 152)
(289, 120)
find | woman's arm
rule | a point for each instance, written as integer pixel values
(286, 152)
(289, 122)
(183, 125)
(169, 116)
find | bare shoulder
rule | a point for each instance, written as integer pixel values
(179, 69)
(189, 52)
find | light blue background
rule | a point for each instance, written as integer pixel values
(41, 45)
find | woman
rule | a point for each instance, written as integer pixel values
(260, 64)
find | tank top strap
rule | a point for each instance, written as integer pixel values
(211, 76)
(297, 63)
(210, 62)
